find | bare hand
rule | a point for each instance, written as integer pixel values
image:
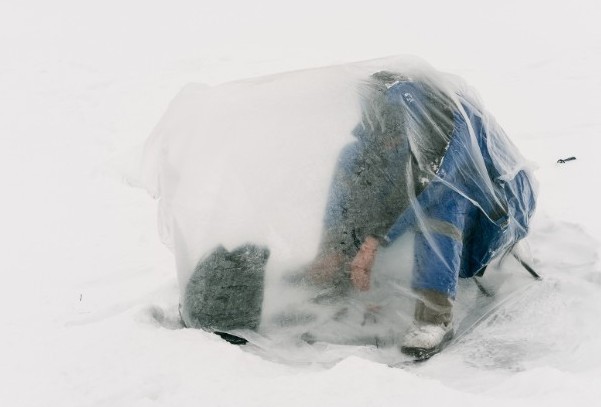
(362, 264)
(325, 268)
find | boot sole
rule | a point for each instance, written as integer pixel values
(427, 353)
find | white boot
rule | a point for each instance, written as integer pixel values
(432, 328)
(424, 340)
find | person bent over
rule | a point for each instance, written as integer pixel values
(431, 161)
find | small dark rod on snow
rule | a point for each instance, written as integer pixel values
(527, 267)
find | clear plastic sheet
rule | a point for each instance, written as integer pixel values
(348, 191)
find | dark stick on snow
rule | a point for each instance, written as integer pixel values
(565, 160)
(482, 289)
(527, 267)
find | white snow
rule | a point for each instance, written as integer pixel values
(88, 300)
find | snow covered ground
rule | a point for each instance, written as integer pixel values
(89, 294)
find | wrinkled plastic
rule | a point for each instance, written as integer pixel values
(311, 164)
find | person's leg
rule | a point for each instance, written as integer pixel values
(433, 307)
(338, 241)
(439, 241)
(438, 257)
(330, 266)
(432, 327)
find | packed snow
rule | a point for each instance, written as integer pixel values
(89, 301)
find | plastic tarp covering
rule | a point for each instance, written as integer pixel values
(332, 198)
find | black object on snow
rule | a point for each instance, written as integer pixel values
(565, 160)
(233, 339)
(528, 268)
(225, 291)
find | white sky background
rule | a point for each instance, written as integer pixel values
(93, 78)
(81, 83)
(218, 41)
